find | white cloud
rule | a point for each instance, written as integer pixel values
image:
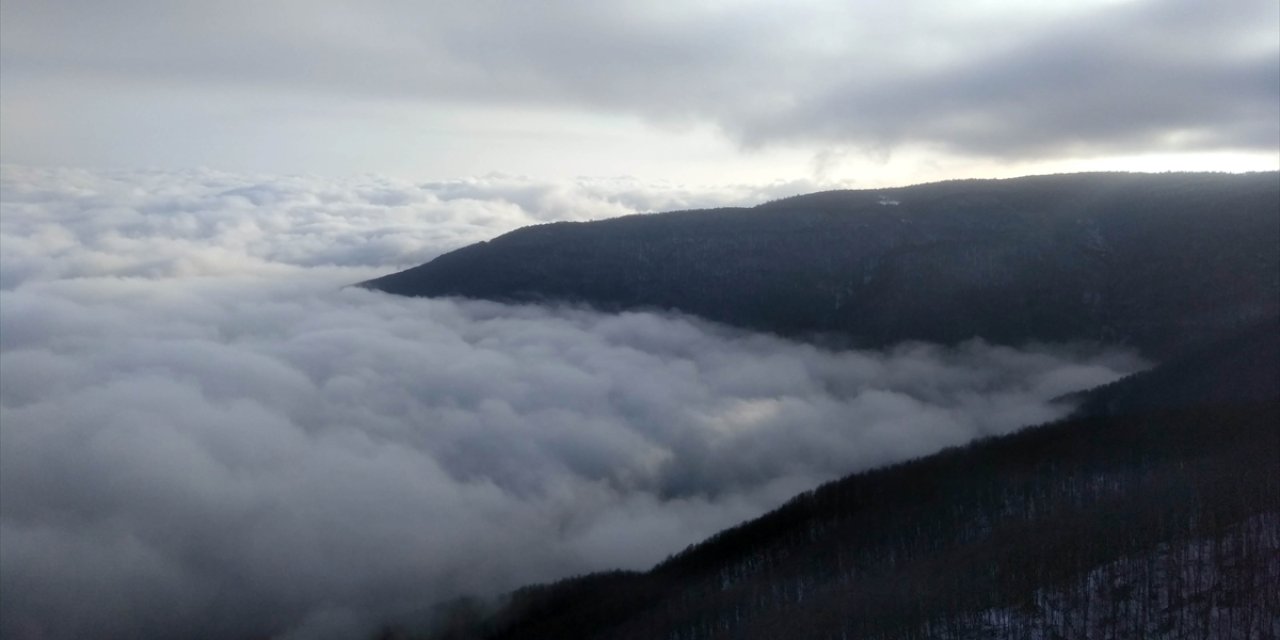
(203, 433)
(66, 223)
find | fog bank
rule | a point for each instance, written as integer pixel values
(204, 434)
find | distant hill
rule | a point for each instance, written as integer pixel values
(1240, 369)
(1154, 522)
(1156, 261)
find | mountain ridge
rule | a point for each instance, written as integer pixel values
(1160, 262)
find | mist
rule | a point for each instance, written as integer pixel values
(205, 433)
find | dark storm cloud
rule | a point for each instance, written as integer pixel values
(1147, 76)
(203, 434)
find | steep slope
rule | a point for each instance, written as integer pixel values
(1159, 262)
(1159, 523)
(1240, 369)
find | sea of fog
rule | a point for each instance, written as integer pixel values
(205, 433)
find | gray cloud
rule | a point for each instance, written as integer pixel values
(1154, 76)
(203, 434)
(1144, 76)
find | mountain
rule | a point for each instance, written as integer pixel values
(1160, 262)
(1241, 369)
(1152, 512)
(1130, 522)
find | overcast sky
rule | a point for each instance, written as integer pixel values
(702, 91)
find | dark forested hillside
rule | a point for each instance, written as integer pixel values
(1159, 262)
(1240, 369)
(1150, 523)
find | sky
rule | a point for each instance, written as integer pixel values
(706, 92)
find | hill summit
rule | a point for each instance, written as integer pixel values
(1160, 262)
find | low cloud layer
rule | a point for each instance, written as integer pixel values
(68, 223)
(202, 433)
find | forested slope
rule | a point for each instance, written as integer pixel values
(1152, 523)
(1160, 262)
